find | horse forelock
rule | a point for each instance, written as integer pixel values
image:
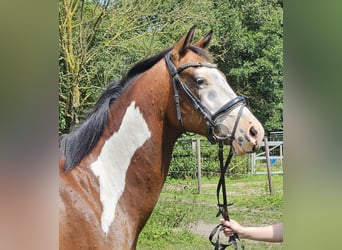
(201, 52)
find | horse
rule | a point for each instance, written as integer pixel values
(113, 166)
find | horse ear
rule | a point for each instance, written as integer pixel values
(204, 42)
(183, 44)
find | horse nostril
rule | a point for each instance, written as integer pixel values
(253, 132)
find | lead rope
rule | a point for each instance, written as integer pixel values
(223, 208)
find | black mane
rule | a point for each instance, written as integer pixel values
(83, 139)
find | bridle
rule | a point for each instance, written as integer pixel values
(212, 119)
(213, 137)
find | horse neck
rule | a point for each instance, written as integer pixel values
(138, 140)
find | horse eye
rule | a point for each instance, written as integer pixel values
(201, 83)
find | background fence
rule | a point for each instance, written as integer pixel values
(194, 156)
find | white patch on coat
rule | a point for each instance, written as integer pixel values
(215, 94)
(114, 159)
(217, 91)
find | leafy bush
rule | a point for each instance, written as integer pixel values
(184, 162)
(239, 166)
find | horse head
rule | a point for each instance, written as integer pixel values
(202, 92)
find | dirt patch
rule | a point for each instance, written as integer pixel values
(202, 228)
(208, 185)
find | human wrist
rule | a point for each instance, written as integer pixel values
(242, 231)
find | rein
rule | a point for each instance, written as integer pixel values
(212, 137)
(223, 207)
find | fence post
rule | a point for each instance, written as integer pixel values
(198, 156)
(252, 163)
(268, 165)
(281, 155)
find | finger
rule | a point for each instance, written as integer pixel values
(227, 223)
(228, 233)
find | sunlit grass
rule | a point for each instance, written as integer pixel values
(180, 207)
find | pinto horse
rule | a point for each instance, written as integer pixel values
(112, 167)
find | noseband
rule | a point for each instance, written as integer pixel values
(211, 118)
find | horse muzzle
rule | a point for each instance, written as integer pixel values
(241, 129)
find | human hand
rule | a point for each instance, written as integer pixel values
(268, 233)
(231, 227)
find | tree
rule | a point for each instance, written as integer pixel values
(101, 39)
(78, 26)
(249, 51)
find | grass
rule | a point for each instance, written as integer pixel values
(180, 208)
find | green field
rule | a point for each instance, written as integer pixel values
(183, 219)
